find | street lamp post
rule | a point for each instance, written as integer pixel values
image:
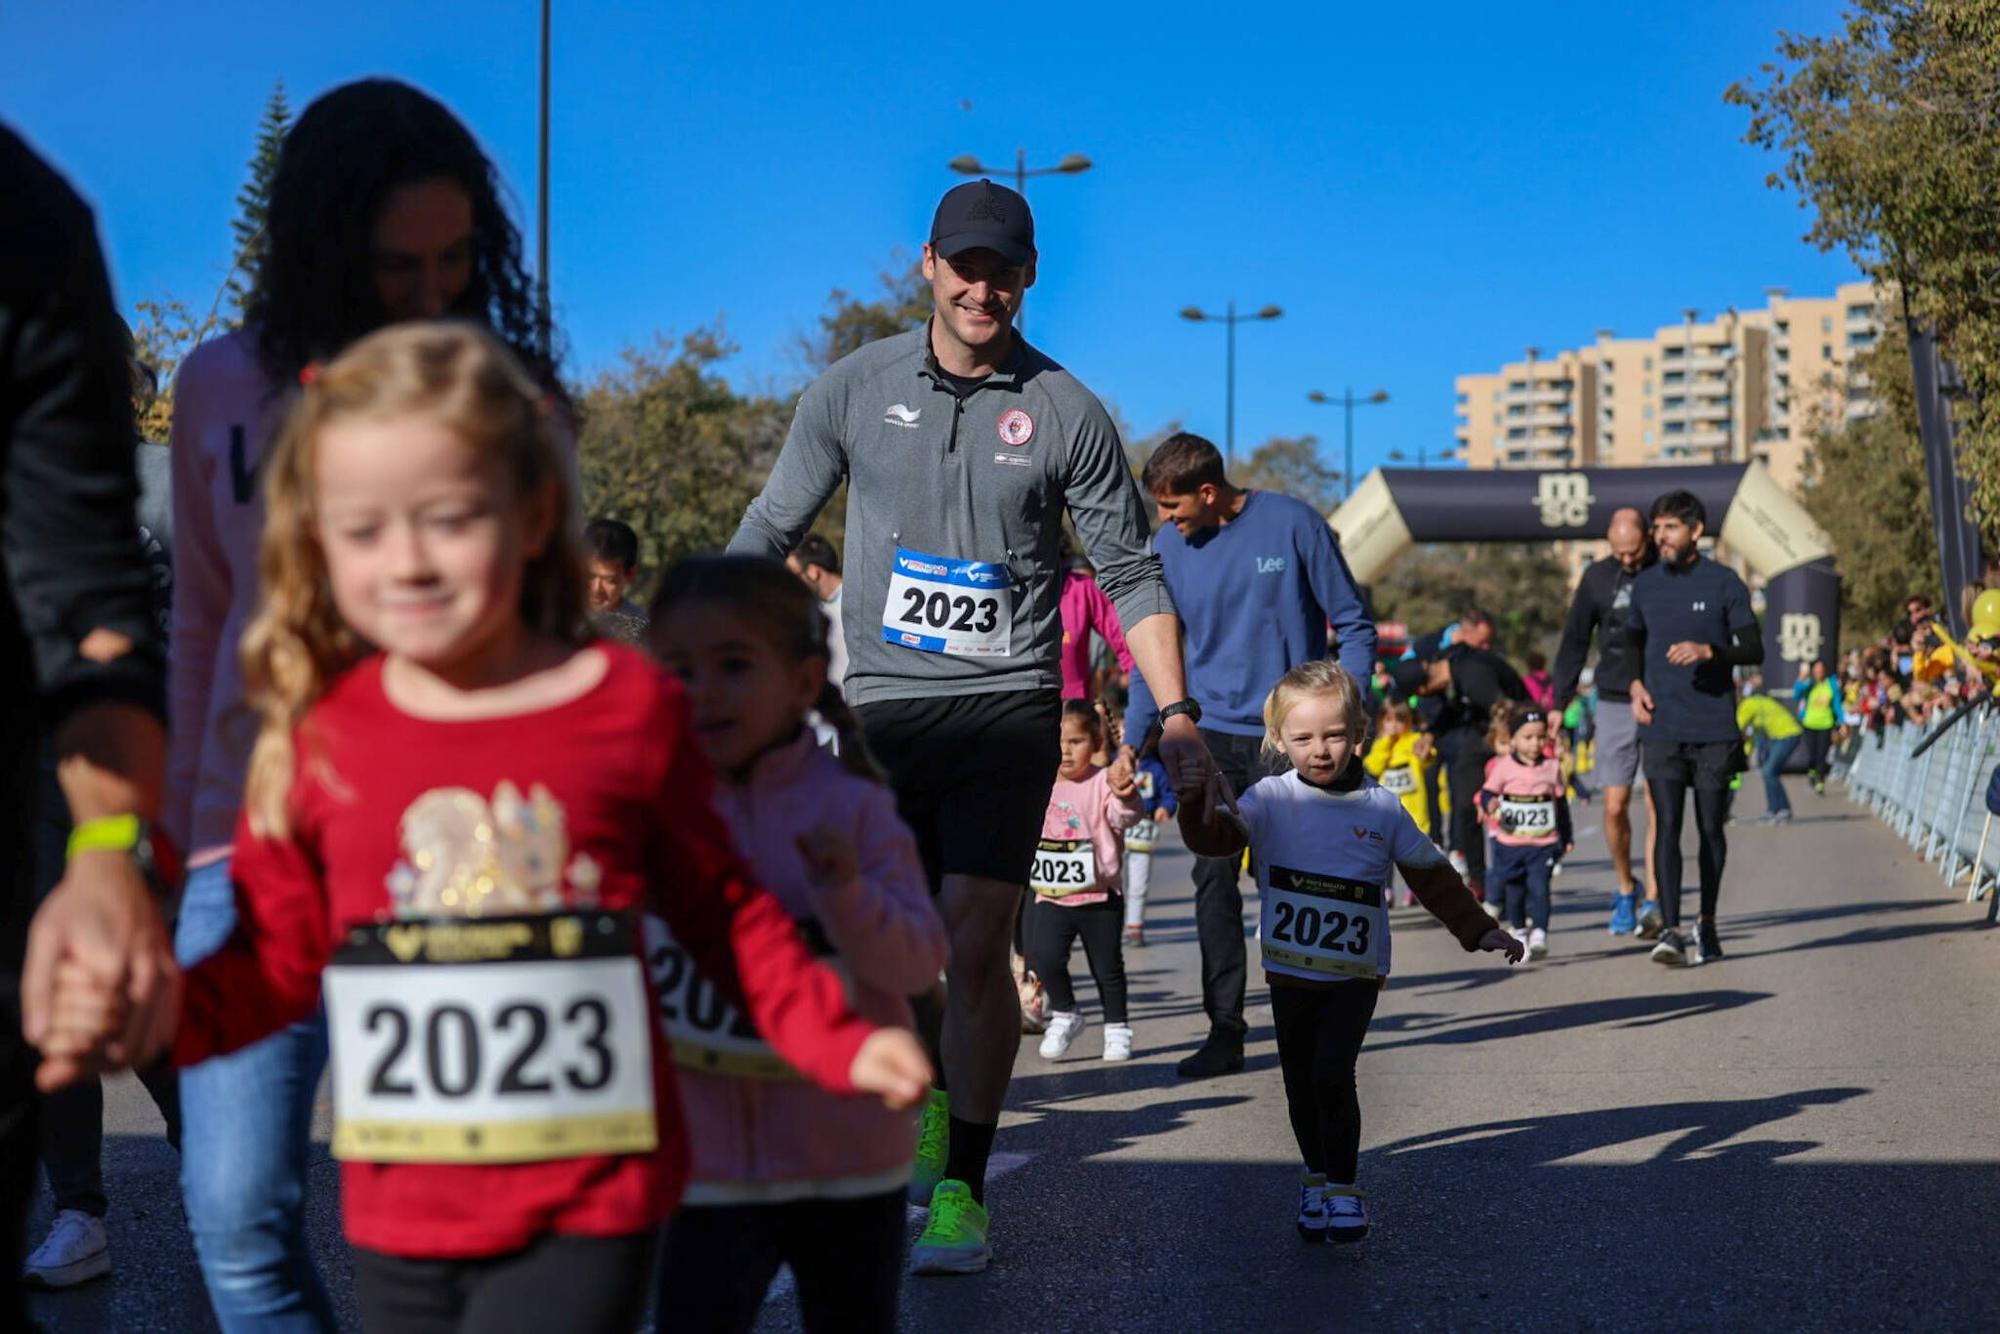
(1231, 319)
(1348, 401)
(965, 164)
(543, 330)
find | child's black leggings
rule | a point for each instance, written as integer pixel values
(1052, 931)
(1319, 1037)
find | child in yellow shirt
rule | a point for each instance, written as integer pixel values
(1400, 758)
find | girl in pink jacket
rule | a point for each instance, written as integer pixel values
(783, 1173)
(1528, 816)
(1078, 873)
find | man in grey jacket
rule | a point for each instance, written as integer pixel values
(962, 447)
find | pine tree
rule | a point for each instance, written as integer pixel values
(253, 201)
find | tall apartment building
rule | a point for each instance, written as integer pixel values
(1741, 386)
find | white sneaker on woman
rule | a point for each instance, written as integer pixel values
(1064, 1025)
(75, 1251)
(1118, 1042)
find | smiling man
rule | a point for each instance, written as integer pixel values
(962, 447)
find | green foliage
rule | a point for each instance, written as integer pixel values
(671, 449)
(1290, 465)
(850, 323)
(1890, 132)
(165, 333)
(1525, 587)
(253, 201)
(1866, 486)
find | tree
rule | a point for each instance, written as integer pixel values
(1290, 465)
(1890, 132)
(166, 332)
(253, 201)
(1865, 484)
(1524, 587)
(671, 449)
(850, 322)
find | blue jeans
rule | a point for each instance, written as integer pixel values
(1518, 878)
(1771, 765)
(246, 1126)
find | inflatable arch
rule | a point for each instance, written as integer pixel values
(1747, 511)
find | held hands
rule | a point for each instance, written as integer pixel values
(99, 986)
(892, 1065)
(1687, 653)
(1124, 783)
(830, 858)
(1497, 941)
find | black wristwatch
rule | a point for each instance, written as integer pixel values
(1186, 706)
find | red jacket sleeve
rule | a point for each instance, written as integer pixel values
(737, 933)
(267, 975)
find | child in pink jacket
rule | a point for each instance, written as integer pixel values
(784, 1173)
(1077, 879)
(1528, 816)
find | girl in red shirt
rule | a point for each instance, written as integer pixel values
(456, 806)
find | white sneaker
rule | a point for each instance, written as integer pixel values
(1538, 942)
(75, 1251)
(1346, 1214)
(1312, 1206)
(1064, 1025)
(1519, 933)
(1118, 1042)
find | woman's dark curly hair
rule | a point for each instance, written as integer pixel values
(314, 291)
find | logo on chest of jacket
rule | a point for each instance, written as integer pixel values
(1270, 565)
(1363, 831)
(899, 415)
(1016, 427)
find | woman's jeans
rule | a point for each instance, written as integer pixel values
(1771, 766)
(246, 1125)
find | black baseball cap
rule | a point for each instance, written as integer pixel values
(980, 214)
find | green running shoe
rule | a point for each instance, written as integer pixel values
(933, 1139)
(954, 1242)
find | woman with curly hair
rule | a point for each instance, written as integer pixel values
(383, 209)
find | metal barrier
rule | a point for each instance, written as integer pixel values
(1936, 800)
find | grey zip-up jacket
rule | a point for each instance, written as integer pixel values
(985, 478)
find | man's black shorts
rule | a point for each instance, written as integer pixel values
(972, 775)
(1705, 766)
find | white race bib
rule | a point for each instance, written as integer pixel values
(1064, 866)
(1400, 779)
(961, 608)
(1322, 925)
(1527, 815)
(707, 1031)
(1142, 836)
(490, 1040)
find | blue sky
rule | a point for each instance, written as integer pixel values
(1425, 189)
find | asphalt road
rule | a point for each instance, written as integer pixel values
(1796, 1137)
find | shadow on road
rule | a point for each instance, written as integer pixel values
(1622, 1011)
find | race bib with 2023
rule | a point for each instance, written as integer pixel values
(707, 1030)
(490, 1040)
(1322, 926)
(961, 608)
(1063, 866)
(1527, 815)
(1400, 779)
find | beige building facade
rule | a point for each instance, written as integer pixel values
(1737, 387)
